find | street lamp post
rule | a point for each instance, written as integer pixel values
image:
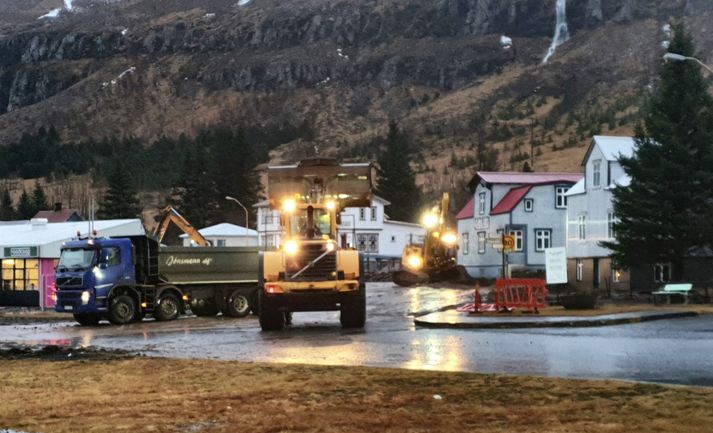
(227, 197)
(674, 57)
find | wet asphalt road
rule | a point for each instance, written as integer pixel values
(672, 351)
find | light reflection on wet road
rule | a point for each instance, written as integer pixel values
(676, 351)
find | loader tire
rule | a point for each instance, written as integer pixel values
(271, 319)
(352, 310)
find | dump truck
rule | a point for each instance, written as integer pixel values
(310, 271)
(434, 259)
(124, 279)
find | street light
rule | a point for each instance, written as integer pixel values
(227, 197)
(673, 57)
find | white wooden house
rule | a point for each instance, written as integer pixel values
(590, 216)
(532, 207)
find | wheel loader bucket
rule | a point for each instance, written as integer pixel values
(313, 180)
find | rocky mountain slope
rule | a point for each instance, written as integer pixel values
(442, 68)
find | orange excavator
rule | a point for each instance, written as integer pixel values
(170, 215)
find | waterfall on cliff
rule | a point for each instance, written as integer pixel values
(561, 30)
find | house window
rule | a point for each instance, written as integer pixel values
(580, 269)
(529, 204)
(481, 242)
(481, 203)
(220, 242)
(465, 237)
(560, 197)
(615, 275)
(610, 225)
(362, 214)
(373, 213)
(20, 274)
(582, 227)
(543, 239)
(662, 272)
(368, 242)
(596, 173)
(518, 234)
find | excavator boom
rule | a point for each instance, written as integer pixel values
(171, 215)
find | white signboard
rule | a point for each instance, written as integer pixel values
(556, 265)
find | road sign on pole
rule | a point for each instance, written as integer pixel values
(508, 243)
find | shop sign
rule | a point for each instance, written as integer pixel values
(20, 252)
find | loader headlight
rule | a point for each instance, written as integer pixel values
(85, 297)
(291, 248)
(449, 238)
(330, 246)
(331, 205)
(414, 262)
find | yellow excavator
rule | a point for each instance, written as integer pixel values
(434, 259)
(170, 215)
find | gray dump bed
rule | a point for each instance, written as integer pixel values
(212, 265)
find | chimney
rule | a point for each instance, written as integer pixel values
(58, 207)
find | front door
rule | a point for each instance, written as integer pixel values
(595, 273)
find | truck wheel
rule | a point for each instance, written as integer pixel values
(238, 305)
(203, 307)
(87, 319)
(270, 318)
(168, 307)
(122, 310)
(352, 312)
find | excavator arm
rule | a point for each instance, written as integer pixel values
(171, 215)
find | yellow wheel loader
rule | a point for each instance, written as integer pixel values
(310, 272)
(435, 259)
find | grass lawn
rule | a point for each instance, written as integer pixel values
(166, 395)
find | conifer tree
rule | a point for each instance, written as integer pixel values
(120, 200)
(39, 198)
(7, 211)
(195, 195)
(397, 182)
(25, 207)
(665, 213)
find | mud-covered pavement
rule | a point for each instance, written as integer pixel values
(673, 351)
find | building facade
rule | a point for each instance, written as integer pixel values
(590, 216)
(225, 235)
(531, 207)
(29, 252)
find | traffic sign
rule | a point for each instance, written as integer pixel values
(509, 243)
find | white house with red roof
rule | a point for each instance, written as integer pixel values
(531, 207)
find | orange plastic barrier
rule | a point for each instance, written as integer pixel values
(528, 293)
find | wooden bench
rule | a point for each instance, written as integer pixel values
(668, 290)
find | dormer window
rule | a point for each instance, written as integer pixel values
(529, 204)
(596, 173)
(481, 203)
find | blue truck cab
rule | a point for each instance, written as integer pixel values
(113, 278)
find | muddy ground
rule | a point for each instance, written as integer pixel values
(46, 390)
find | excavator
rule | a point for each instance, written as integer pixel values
(434, 259)
(170, 215)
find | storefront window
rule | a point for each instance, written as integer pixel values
(20, 274)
